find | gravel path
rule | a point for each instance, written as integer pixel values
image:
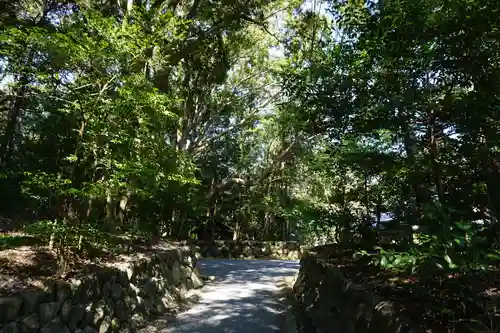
(243, 299)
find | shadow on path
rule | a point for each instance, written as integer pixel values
(243, 299)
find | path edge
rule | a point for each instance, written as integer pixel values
(289, 324)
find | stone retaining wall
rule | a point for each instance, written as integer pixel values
(329, 302)
(246, 249)
(117, 298)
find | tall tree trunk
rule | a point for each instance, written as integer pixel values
(378, 209)
(434, 132)
(12, 122)
(109, 206)
(365, 197)
(122, 207)
(416, 181)
(491, 170)
(16, 111)
(236, 231)
(214, 214)
(210, 216)
(186, 114)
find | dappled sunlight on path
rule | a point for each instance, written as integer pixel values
(244, 298)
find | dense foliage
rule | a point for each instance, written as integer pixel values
(405, 94)
(140, 116)
(341, 121)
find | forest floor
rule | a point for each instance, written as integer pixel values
(450, 303)
(26, 261)
(460, 302)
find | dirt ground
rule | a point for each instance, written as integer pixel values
(452, 303)
(26, 261)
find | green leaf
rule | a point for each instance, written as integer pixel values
(383, 261)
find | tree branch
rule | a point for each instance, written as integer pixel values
(200, 146)
(262, 25)
(227, 183)
(204, 145)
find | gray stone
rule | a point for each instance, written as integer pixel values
(124, 329)
(106, 305)
(197, 283)
(130, 272)
(48, 311)
(247, 251)
(30, 324)
(9, 308)
(109, 305)
(90, 290)
(115, 324)
(121, 311)
(116, 291)
(150, 306)
(161, 285)
(177, 254)
(129, 301)
(140, 301)
(214, 251)
(98, 315)
(266, 250)
(76, 316)
(63, 291)
(150, 288)
(194, 259)
(78, 290)
(49, 292)
(88, 317)
(138, 320)
(209, 277)
(188, 260)
(30, 301)
(105, 325)
(186, 271)
(225, 251)
(89, 329)
(167, 300)
(189, 284)
(106, 289)
(157, 271)
(176, 273)
(66, 310)
(75, 285)
(181, 290)
(257, 251)
(385, 308)
(122, 278)
(135, 290)
(54, 326)
(11, 328)
(236, 250)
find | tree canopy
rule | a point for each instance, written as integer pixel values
(322, 121)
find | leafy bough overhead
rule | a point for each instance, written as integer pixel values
(324, 121)
(265, 175)
(126, 115)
